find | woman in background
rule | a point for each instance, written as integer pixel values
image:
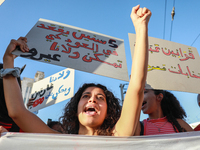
(165, 114)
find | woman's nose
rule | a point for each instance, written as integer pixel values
(92, 99)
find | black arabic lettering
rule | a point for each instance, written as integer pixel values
(42, 92)
(48, 88)
(112, 42)
(55, 57)
(34, 95)
(33, 52)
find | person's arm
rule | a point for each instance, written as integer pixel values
(185, 125)
(26, 120)
(138, 129)
(131, 109)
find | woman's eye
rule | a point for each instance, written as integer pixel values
(84, 96)
(101, 98)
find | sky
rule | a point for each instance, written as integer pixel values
(108, 17)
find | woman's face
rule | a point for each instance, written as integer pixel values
(92, 107)
(149, 103)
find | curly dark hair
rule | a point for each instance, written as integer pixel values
(70, 119)
(172, 109)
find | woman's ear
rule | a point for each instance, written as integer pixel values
(160, 97)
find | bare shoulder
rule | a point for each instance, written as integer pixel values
(184, 125)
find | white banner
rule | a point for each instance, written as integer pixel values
(172, 66)
(53, 89)
(80, 49)
(33, 141)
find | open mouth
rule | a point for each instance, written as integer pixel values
(90, 110)
(144, 103)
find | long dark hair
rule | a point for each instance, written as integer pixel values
(172, 109)
(70, 119)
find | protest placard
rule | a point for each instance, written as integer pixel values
(73, 47)
(53, 89)
(172, 66)
(1, 1)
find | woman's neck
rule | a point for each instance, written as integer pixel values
(156, 114)
(86, 131)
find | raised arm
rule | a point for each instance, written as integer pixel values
(26, 120)
(126, 125)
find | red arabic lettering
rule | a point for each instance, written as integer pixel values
(84, 45)
(157, 49)
(169, 53)
(75, 57)
(66, 51)
(41, 26)
(87, 37)
(179, 72)
(97, 47)
(108, 52)
(53, 46)
(38, 101)
(90, 58)
(181, 52)
(50, 37)
(187, 57)
(194, 76)
(68, 40)
(97, 59)
(52, 28)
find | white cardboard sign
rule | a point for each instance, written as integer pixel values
(68, 46)
(1, 1)
(53, 89)
(172, 66)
